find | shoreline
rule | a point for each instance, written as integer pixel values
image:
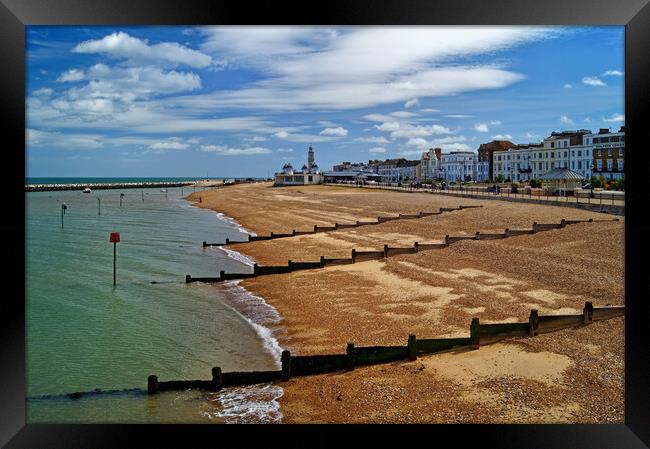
(262, 317)
(324, 309)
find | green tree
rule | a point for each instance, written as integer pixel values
(536, 183)
(499, 178)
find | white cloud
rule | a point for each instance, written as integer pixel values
(417, 142)
(402, 114)
(613, 73)
(43, 92)
(311, 67)
(377, 150)
(615, 118)
(568, 86)
(495, 122)
(169, 145)
(327, 123)
(284, 150)
(68, 141)
(502, 137)
(71, 75)
(254, 139)
(281, 135)
(592, 81)
(228, 151)
(440, 142)
(566, 119)
(372, 139)
(455, 147)
(406, 131)
(429, 110)
(122, 45)
(531, 136)
(296, 137)
(338, 131)
(388, 126)
(482, 127)
(411, 103)
(588, 120)
(458, 116)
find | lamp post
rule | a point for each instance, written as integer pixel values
(99, 206)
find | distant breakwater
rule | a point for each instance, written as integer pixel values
(100, 186)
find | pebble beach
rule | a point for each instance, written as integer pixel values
(570, 376)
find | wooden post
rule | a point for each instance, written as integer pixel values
(475, 333)
(385, 251)
(447, 240)
(412, 345)
(293, 232)
(351, 358)
(205, 243)
(114, 263)
(315, 228)
(562, 223)
(322, 261)
(588, 313)
(591, 220)
(217, 381)
(249, 237)
(188, 278)
(478, 235)
(336, 225)
(506, 233)
(227, 241)
(533, 323)
(142, 195)
(354, 255)
(290, 265)
(256, 269)
(415, 246)
(271, 234)
(534, 227)
(222, 275)
(152, 384)
(286, 365)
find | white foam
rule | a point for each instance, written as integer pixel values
(237, 256)
(254, 404)
(234, 222)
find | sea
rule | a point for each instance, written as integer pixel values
(86, 335)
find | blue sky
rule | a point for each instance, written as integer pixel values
(243, 101)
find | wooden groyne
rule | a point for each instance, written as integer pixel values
(387, 251)
(357, 356)
(338, 226)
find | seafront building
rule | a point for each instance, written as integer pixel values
(608, 153)
(308, 174)
(582, 152)
(459, 165)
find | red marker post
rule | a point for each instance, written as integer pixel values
(114, 239)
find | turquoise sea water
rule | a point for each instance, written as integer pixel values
(84, 334)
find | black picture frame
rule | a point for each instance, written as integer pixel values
(634, 14)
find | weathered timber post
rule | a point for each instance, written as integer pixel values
(293, 232)
(447, 240)
(227, 241)
(506, 233)
(286, 365)
(336, 225)
(412, 345)
(217, 380)
(351, 358)
(354, 255)
(188, 278)
(357, 222)
(562, 223)
(588, 313)
(535, 228)
(591, 220)
(256, 269)
(205, 243)
(477, 236)
(152, 384)
(475, 333)
(415, 246)
(249, 237)
(315, 228)
(222, 275)
(290, 265)
(420, 214)
(271, 234)
(460, 207)
(533, 323)
(385, 251)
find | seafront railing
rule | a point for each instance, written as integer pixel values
(388, 251)
(338, 226)
(479, 335)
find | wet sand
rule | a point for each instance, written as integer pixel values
(572, 376)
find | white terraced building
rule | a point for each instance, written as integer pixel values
(459, 165)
